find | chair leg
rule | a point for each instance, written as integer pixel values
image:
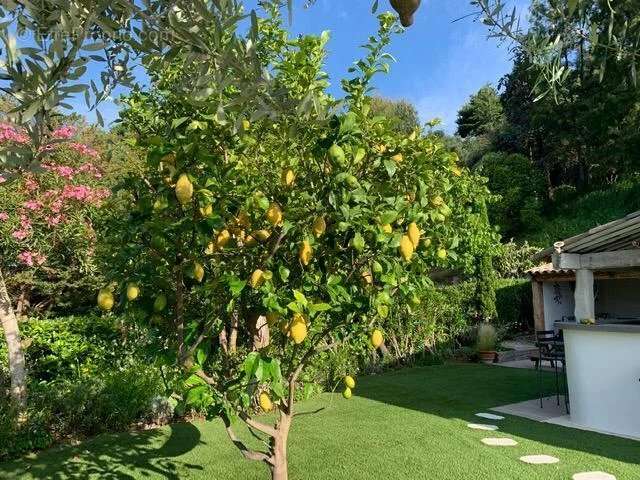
(540, 382)
(557, 385)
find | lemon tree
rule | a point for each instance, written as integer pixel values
(274, 221)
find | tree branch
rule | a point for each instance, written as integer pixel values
(246, 451)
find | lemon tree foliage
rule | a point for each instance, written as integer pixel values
(268, 228)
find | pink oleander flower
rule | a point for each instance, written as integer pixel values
(62, 170)
(55, 220)
(9, 133)
(4, 216)
(33, 205)
(90, 169)
(84, 149)
(31, 258)
(20, 234)
(2, 179)
(25, 223)
(64, 132)
(30, 184)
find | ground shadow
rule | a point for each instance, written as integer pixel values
(152, 453)
(462, 390)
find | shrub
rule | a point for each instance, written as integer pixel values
(81, 345)
(514, 259)
(487, 338)
(515, 305)
(76, 408)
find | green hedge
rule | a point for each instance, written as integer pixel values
(514, 305)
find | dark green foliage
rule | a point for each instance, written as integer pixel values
(589, 210)
(514, 305)
(521, 189)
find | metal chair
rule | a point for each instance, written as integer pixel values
(551, 348)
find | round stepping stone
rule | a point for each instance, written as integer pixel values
(489, 416)
(539, 459)
(499, 442)
(593, 476)
(480, 426)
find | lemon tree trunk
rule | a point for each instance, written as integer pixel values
(14, 347)
(280, 467)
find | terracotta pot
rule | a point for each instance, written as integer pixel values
(406, 9)
(487, 357)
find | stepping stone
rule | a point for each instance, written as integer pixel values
(480, 426)
(489, 416)
(593, 476)
(539, 459)
(499, 442)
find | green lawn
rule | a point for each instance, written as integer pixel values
(409, 424)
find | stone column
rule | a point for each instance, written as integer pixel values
(585, 303)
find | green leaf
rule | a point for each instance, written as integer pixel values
(299, 296)
(284, 273)
(391, 167)
(178, 121)
(319, 307)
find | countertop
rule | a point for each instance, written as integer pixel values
(600, 327)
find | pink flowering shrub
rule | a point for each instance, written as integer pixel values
(47, 215)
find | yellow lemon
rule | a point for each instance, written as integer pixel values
(437, 201)
(349, 382)
(243, 220)
(319, 227)
(298, 328)
(380, 148)
(456, 170)
(250, 241)
(305, 253)
(347, 393)
(184, 189)
(414, 234)
(274, 214)
(132, 291)
(406, 248)
(288, 177)
(261, 235)
(397, 158)
(206, 211)
(442, 254)
(265, 402)
(377, 338)
(426, 242)
(198, 271)
(223, 238)
(105, 299)
(257, 279)
(387, 228)
(210, 249)
(246, 124)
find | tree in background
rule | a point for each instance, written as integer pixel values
(482, 115)
(402, 115)
(520, 187)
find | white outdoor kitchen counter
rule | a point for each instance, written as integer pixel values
(603, 372)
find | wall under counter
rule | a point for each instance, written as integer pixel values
(603, 374)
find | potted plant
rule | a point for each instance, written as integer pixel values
(487, 338)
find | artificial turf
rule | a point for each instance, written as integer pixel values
(407, 424)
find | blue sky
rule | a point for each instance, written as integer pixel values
(439, 62)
